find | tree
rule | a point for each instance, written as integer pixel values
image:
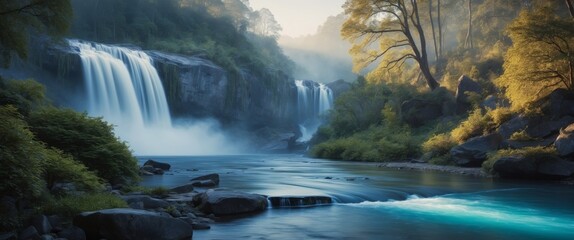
(397, 28)
(541, 58)
(17, 17)
(264, 23)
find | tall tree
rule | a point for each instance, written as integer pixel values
(433, 31)
(395, 27)
(468, 41)
(541, 58)
(20, 17)
(264, 23)
(439, 23)
(570, 7)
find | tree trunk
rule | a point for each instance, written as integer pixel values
(422, 56)
(570, 7)
(433, 33)
(439, 21)
(468, 41)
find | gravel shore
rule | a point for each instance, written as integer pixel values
(477, 172)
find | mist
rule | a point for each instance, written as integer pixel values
(323, 56)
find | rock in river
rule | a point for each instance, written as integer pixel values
(128, 224)
(222, 202)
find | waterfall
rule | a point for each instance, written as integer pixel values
(124, 88)
(122, 85)
(310, 112)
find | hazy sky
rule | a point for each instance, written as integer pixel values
(300, 17)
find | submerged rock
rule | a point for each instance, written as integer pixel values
(214, 177)
(299, 201)
(121, 223)
(222, 202)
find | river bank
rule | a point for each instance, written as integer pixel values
(415, 166)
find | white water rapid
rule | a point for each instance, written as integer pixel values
(313, 101)
(124, 88)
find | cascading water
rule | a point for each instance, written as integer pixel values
(124, 88)
(310, 112)
(122, 85)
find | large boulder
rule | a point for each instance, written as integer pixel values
(541, 127)
(559, 103)
(299, 201)
(474, 152)
(222, 202)
(122, 223)
(539, 167)
(156, 164)
(565, 141)
(465, 86)
(182, 188)
(416, 112)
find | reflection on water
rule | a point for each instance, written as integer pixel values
(376, 203)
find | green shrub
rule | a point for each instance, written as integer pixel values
(60, 167)
(500, 115)
(475, 125)
(528, 152)
(21, 157)
(438, 145)
(521, 136)
(88, 140)
(70, 206)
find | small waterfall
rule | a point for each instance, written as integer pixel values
(310, 112)
(122, 85)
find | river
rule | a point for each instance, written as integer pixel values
(377, 203)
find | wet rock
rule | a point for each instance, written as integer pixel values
(565, 141)
(128, 224)
(299, 201)
(474, 152)
(156, 164)
(203, 183)
(182, 189)
(222, 202)
(538, 167)
(214, 177)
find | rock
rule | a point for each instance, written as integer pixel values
(539, 167)
(465, 86)
(513, 125)
(221, 202)
(203, 183)
(490, 102)
(565, 141)
(540, 127)
(299, 201)
(416, 112)
(42, 224)
(122, 223)
(158, 171)
(182, 189)
(213, 177)
(559, 103)
(147, 168)
(72, 232)
(148, 202)
(473, 152)
(46, 237)
(28, 233)
(155, 164)
(516, 144)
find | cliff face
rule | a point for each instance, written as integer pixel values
(194, 87)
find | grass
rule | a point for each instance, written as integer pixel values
(70, 206)
(527, 152)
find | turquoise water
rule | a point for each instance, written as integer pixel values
(378, 203)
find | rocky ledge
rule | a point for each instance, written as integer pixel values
(477, 172)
